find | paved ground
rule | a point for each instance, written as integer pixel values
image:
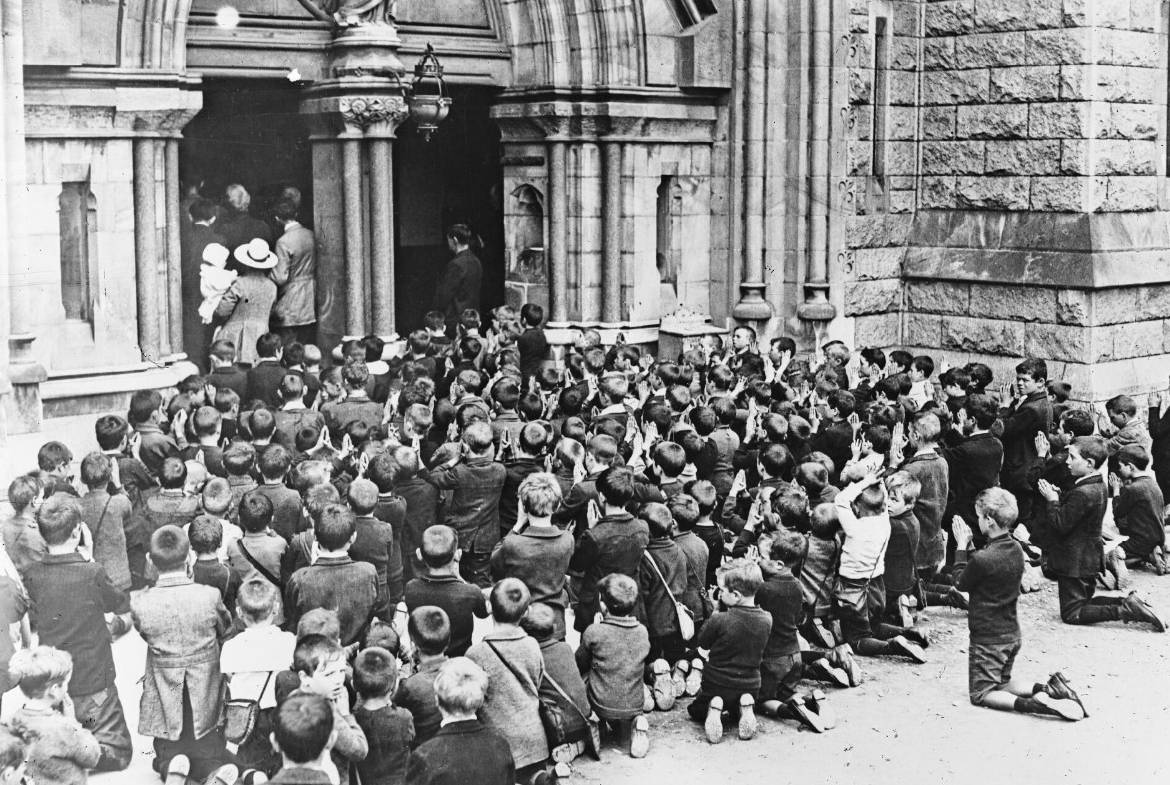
(906, 724)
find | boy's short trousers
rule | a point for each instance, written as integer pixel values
(989, 667)
(779, 676)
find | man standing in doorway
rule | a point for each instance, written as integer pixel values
(295, 313)
(239, 227)
(459, 287)
(196, 334)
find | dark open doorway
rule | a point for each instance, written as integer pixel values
(250, 132)
(454, 178)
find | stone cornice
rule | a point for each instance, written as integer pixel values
(1059, 250)
(640, 115)
(108, 103)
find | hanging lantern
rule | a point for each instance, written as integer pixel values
(428, 99)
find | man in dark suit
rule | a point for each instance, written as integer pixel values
(459, 287)
(464, 749)
(238, 227)
(265, 376)
(1075, 551)
(202, 234)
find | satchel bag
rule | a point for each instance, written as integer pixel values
(552, 714)
(686, 619)
(241, 714)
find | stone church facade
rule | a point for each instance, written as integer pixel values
(978, 179)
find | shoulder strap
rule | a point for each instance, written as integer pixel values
(565, 695)
(661, 577)
(259, 567)
(98, 526)
(520, 678)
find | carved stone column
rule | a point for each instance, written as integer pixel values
(146, 250)
(611, 217)
(353, 118)
(558, 230)
(378, 118)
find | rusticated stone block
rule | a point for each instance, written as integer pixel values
(871, 263)
(1059, 194)
(1154, 301)
(990, 49)
(992, 121)
(876, 231)
(1021, 158)
(989, 336)
(956, 87)
(1004, 15)
(923, 330)
(952, 158)
(1123, 156)
(1113, 83)
(1124, 304)
(869, 297)
(858, 158)
(936, 192)
(1024, 84)
(1126, 47)
(906, 16)
(1074, 157)
(881, 330)
(1073, 13)
(904, 53)
(1056, 342)
(902, 123)
(1111, 14)
(1126, 121)
(901, 158)
(1022, 303)
(950, 18)
(1131, 193)
(1074, 307)
(903, 88)
(1137, 339)
(938, 122)
(939, 54)
(1058, 121)
(941, 297)
(992, 193)
(1057, 47)
(901, 201)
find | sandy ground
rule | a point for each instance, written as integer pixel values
(906, 724)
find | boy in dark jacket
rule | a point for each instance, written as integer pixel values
(614, 544)
(476, 481)
(736, 639)
(662, 582)
(439, 584)
(1138, 508)
(1075, 552)
(464, 750)
(781, 667)
(992, 577)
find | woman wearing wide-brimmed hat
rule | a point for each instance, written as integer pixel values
(247, 305)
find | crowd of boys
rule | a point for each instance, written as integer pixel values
(305, 548)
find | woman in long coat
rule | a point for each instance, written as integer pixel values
(247, 305)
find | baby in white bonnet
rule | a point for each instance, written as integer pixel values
(214, 279)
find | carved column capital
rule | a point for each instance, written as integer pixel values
(374, 115)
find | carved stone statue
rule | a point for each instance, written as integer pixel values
(353, 13)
